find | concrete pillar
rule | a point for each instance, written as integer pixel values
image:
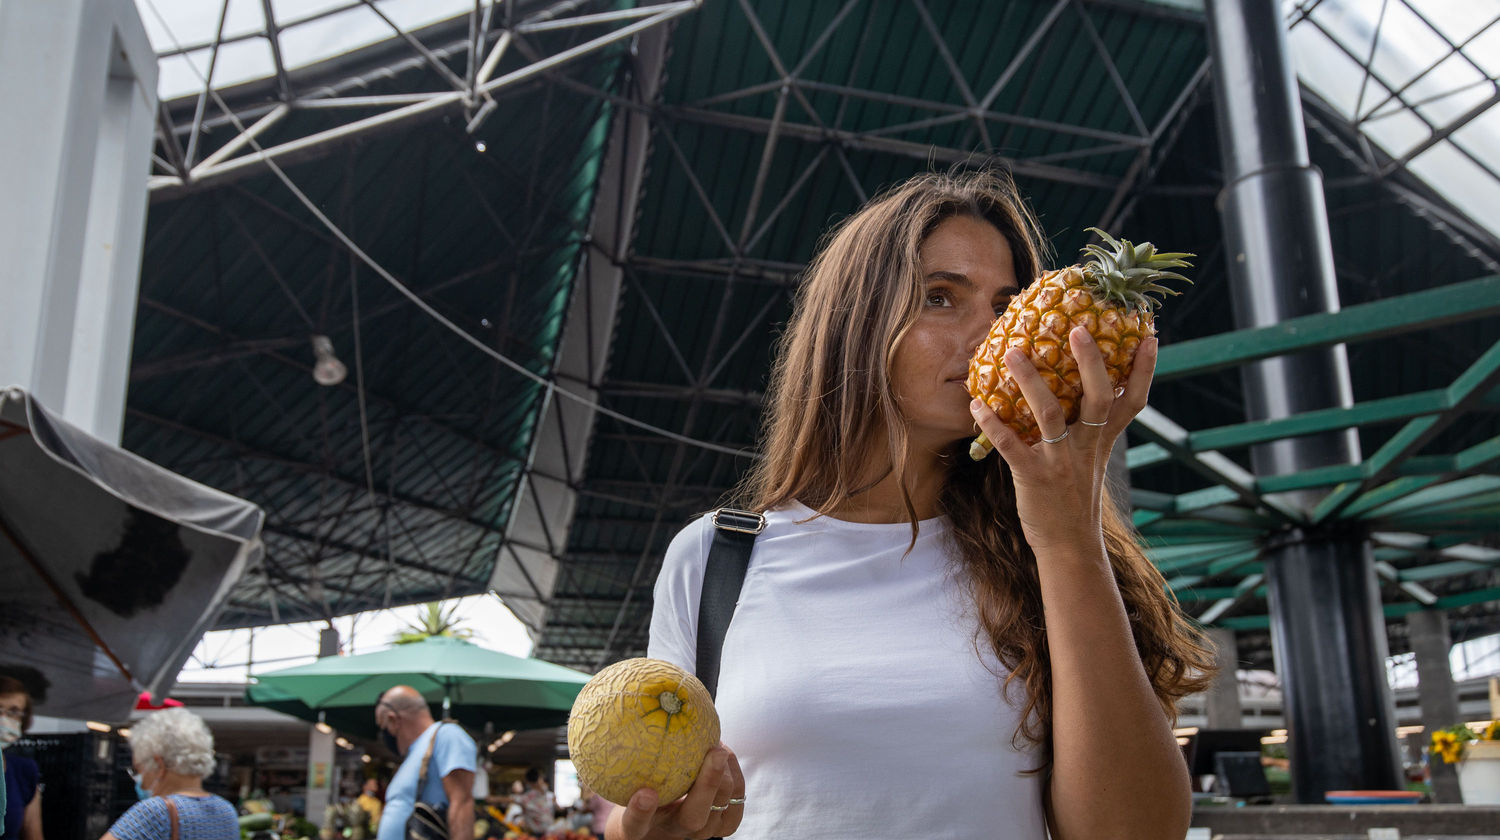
(1428, 632)
(1222, 700)
(320, 764)
(80, 98)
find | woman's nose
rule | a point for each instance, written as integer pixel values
(976, 328)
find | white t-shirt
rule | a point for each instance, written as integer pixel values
(850, 686)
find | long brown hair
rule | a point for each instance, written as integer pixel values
(863, 291)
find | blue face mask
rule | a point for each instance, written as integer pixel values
(140, 792)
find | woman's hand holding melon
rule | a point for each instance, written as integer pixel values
(644, 734)
(719, 780)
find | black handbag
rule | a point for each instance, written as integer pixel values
(426, 822)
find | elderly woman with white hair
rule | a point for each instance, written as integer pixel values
(172, 750)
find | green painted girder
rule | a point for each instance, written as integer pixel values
(1468, 519)
(1451, 568)
(1463, 599)
(1419, 472)
(1466, 301)
(1143, 519)
(1209, 567)
(1207, 593)
(1476, 379)
(1205, 550)
(1443, 495)
(1202, 561)
(1161, 525)
(1369, 413)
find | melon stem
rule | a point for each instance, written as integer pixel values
(670, 702)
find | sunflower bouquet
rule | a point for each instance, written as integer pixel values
(1450, 743)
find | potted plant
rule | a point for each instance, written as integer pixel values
(1475, 750)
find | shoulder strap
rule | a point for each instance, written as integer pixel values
(728, 560)
(172, 813)
(426, 758)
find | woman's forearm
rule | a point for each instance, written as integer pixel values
(1117, 770)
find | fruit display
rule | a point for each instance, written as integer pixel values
(641, 723)
(1113, 295)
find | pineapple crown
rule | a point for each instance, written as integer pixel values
(1127, 273)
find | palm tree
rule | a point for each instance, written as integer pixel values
(433, 620)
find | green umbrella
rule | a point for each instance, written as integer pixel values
(478, 685)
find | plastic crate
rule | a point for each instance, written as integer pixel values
(85, 788)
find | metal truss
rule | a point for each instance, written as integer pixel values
(1382, 98)
(693, 381)
(495, 30)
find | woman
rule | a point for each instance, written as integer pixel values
(991, 628)
(171, 751)
(23, 791)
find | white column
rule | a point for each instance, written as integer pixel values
(1222, 703)
(320, 770)
(78, 89)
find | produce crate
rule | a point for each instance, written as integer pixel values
(85, 784)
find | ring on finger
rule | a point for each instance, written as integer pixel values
(1095, 425)
(1058, 439)
(738, 800)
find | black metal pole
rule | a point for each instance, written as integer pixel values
(1327, 628)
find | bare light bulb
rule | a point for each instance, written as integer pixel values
(328, 370)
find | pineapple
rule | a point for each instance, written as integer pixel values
(1110, 295)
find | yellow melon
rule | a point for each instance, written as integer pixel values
(641, 723)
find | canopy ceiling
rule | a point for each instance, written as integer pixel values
(627, 220)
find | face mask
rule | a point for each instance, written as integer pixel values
(10, 731)
(140, 792)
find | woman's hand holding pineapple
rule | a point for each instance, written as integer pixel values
(1058, 485)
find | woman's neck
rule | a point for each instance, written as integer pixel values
(883, 502)
(172, 783)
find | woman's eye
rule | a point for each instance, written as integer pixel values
(938, 299)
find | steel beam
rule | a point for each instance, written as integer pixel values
(1427, 309)
(544, 507)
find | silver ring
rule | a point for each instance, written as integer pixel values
(1057, 439)
(1095, 425)
(725, 807)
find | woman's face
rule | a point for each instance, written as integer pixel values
(12, 713)
(968, 277)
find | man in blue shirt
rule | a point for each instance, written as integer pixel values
(402, 714)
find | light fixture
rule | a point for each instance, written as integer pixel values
(365, 758)
(97, 726)
(344, 743)
(480, 147)
(328, 370)
(321, 726)
(124, 732)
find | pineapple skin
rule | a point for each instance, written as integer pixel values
(1038, 321)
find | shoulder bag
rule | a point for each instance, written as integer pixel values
(426, 821)
(723, 577)
(172, 814)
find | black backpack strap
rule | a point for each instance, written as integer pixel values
(728, 559)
